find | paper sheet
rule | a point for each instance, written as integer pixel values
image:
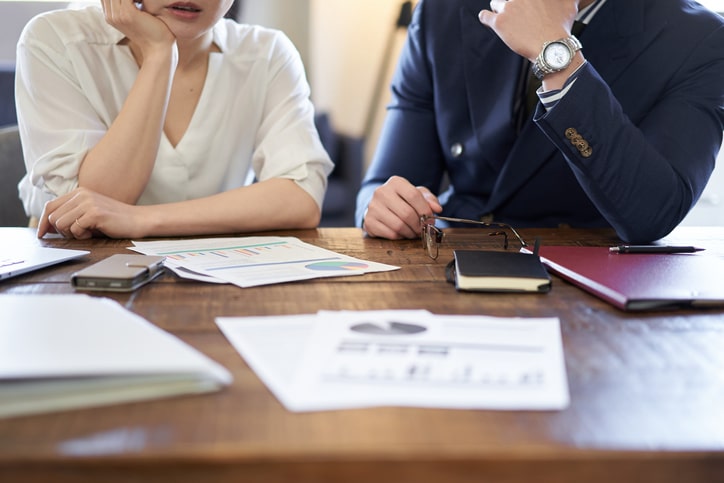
(338, 360)
(254, 261)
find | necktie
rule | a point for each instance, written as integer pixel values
(533, 83)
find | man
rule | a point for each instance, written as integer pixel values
(626, 133)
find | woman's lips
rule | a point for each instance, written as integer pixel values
(185, 10)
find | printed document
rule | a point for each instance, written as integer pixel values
(342, 360)
(254, 261)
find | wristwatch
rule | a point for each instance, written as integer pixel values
(556, 56)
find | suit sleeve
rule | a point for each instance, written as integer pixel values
(409, 145)
(645, 174)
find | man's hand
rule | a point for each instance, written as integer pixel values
(525, 25)
(395, 209)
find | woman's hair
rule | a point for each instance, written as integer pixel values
(234, 10)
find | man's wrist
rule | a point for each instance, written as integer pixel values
(557, 80)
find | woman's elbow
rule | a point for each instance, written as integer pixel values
(311, 219)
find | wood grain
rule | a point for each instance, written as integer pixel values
(647, 389)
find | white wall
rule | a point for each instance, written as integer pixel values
(290, 16)
(13, 17)
(343, 45)
(709, 211)
(716, 5)
(348, 41)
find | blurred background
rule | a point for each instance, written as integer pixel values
(349, 48)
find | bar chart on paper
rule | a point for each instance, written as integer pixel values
(246, 253)
(442, 365)
(418, 359)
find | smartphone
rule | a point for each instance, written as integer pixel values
(118, 273)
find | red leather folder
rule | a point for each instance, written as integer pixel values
(640, 281)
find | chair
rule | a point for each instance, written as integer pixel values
(8, 116)
(344, 181)
(12, 168)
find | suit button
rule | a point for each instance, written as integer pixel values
(457, 150)
(583, 147)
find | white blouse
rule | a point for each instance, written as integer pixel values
(254, 118)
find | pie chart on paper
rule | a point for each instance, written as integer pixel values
(337, 266)
(387, 328)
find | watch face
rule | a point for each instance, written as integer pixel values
(557, 55)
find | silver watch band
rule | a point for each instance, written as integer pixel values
(541, 68)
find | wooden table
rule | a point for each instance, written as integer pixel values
(647, 389)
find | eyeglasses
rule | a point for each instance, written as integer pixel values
(432, 236)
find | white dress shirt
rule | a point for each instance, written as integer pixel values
(254, 117)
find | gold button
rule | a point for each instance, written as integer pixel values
(582, 145)
(570, 132)
(587, 153)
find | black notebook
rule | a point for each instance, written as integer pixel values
(491, 271)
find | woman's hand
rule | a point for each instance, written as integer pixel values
(82, 214)
(141, 27)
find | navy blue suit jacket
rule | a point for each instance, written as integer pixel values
(650, 102)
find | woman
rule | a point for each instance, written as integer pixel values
(148, 119)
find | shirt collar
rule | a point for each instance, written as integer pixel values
(586, 15)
